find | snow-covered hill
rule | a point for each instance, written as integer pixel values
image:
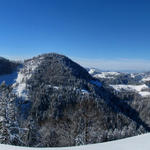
(138, 83)
(134, 143)
(141, 77)
(52, 101)
(140, 89)
(98, 74)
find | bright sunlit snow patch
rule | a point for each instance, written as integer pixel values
(102, 76)
(130, 87)
(84, 91)
(56, 87)
(146, 79)
(25, 73)
(112, 73)
(132, 75)
(106, 75)
(133, 88)
(144, 94)
(2, 118)
(91, 71)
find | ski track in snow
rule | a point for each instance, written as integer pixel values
(140, 142)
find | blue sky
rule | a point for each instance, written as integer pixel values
(85, 30)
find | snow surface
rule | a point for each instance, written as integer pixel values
(9, 78)
(25, 73)
(138, 88)
(54, 87)
(133, 88)
(84, 91)
(2, 118)
(144, 94)
(112, 73)
(140, 142)
(146, 79)
(91, 71)
(106, 75)
(133, 75)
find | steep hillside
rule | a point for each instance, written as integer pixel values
(132, 90)
(56, 102)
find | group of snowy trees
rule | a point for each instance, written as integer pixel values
(64, 108)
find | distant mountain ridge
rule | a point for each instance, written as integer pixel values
(56, 102)
(7, 66)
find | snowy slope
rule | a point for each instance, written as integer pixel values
(107, 75)
(133, 88)
(146, 79)
(137, 88)
(97, 74)
(25, 73)
(134, 143)
(92, 71)
(8, 78)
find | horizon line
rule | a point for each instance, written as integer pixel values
(104, 64)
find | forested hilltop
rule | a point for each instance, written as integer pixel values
(55, 102)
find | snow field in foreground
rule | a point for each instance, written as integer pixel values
(140, 142)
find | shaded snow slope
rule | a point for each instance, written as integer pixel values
(134, 143)
(9, 78)
(97, 83)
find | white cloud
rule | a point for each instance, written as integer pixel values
(122, 64)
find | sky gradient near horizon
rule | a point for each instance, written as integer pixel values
(113, 30)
